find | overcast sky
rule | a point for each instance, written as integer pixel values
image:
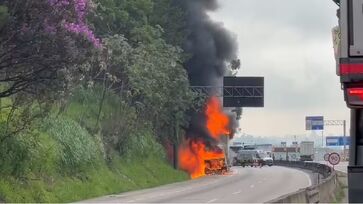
(289, 43)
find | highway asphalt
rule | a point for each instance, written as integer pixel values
(242, 185)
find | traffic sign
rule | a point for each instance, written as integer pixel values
(326, 157)
(314, 122)
(334, 158)
(337, 141)
(243, 91)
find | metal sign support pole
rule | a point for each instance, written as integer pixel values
(322, 138)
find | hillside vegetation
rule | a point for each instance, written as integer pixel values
(91, 93)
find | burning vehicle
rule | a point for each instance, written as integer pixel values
(216, 165)
(200, 159)
(200, 156)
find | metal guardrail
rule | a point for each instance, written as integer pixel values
(323, 192)
(322, 169)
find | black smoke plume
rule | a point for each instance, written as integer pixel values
(211, 49)
(209, 44)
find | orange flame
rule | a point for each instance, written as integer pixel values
(194, 153)
(217, 121)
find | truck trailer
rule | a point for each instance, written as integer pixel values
(306, 151)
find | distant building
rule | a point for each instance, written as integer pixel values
(264, 147)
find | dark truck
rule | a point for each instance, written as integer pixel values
(251, 158)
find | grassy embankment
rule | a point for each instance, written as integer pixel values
(95, 182)
(60, 160)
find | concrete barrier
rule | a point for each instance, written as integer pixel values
(323, 192)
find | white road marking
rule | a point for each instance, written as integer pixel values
(130, 201)
(252, 186)
(179, 191)
(237, 192)
(117, 196)
(211, 201)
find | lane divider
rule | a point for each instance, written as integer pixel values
(213, 200)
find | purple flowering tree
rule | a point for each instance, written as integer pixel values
(44, 44)
(76, 21)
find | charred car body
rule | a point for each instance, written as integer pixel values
(216, 164)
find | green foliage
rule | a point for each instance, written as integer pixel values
(141, 20)
(172, 19)
(77, 149)
(117, 177)
(83, 107)
(160, 83)
(45, 160)
(101, 130)
(15, 155)
(121, 16)
(17, 139)
(157, 84)
(142, 145)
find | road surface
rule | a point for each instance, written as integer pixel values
(243, 185)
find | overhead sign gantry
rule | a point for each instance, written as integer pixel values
(237, 91)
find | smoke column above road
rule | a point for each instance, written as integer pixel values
(211, 49)
(209, 44)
